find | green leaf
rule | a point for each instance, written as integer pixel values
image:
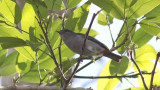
(55, 5)
(30, 24)
(32, 76)
(9, 65)
(2, 56)
(23, 65)
(145, 65)
(150, 26)
(36, 2)
(27, 52)
(7, 31)
(11, 42)
(102, 19)
(78, 18)
(145, 52)
(111, 7)
(154, 12)
(140, 37)
(141, 7)
(73, 3)
(116, 68)
(10, 10)
(123, 34)
(107, 84)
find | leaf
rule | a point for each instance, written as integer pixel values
(11, 42)
(32, 76)
(55, 5)
(141, 7)
(10, 10)
(27, 52)
(2, 56)
(145, 65)
(149, 25)
(36, 2)
(110, 7)
(78, 18)
(140, 37)
(145, 52)
(154, 12)
(23, 65)
(116, 68)
(7, 31)
(107, 84)
(29, 24)
(9, 65)
(102, 19)
(73, 3)
(123, 34)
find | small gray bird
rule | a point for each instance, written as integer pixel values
(92, 47)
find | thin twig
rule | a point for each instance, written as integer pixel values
(51, 51)
(139, 71)
(60, 60)
(125, 39)
(111, 35)
(80, 58)
(39, 73)
(109, 77)
(153, 71)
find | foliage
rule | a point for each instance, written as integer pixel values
(33, 59)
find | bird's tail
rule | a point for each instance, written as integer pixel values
(114, 57)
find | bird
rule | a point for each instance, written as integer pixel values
(93, 47)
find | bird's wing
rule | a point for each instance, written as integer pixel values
(94, 40)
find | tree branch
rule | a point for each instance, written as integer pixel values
(143, 80)
(125, 39)
(80, 58)
(153, 71)
(50, 49)
(109, 77)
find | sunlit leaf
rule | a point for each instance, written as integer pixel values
(73, 3)
(146, 52)
(29, 23)
(78, 18)
(110, 7)
(102, 20)
(154, 12)
(2, 56)
(116, 68)
(107, 84)
(27, 52)
(149, 25)
(9, 65)
(141, 7)
(140, 37)
(10, 10)
(54, 4)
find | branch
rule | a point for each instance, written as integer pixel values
(125, 39)
(50, 49)
(80, 58)
(138, 70)
(153, 71)
(104, 77)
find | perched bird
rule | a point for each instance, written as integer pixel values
(93, 47)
